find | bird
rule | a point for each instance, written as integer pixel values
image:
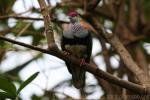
(77, 41)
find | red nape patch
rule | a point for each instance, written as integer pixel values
(73, 14)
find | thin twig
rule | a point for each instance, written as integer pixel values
(30, 18)
(19, 17)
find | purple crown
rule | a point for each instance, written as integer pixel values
(73, 14)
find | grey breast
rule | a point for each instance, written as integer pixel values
(68, 33)
(79, 31)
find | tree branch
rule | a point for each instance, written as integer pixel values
(90, 68)
(133, 21)
(30, 18)
(48, 25)
(124, 54)
(93, 4)
(19, 17)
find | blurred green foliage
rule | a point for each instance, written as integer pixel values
(9, 89)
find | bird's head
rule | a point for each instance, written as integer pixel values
(73, 16)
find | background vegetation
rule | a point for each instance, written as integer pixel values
(119, 24)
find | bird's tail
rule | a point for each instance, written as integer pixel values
(78, 77)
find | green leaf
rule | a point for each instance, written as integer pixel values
(7, 86)
(29, 80)
(4, 95)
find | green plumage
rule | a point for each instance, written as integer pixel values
(79, 48)
(78, 74)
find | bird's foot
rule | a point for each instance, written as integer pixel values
(66, 53)
(82, 62)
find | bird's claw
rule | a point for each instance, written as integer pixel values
(82, 62)
(66, 53)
